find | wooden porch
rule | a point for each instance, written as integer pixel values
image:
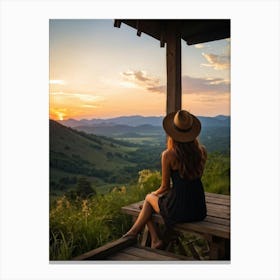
(127, 249)
(214, 230)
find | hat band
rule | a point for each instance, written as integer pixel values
(182, 130)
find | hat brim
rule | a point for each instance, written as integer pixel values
(181, 136)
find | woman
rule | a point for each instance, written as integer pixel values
(183, 161)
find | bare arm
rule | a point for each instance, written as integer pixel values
(165, 181)
(204, 155)
(204, 151)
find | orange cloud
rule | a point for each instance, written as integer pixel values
(218, 62)
(191, 85)
(199, 46)
(139, 78)
(64, 105)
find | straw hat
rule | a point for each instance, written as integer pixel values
(182, 126)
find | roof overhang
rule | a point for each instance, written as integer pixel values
(193, 31)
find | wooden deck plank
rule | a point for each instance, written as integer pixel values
(216, 212)
(205, 227)
(121, 256)
(113, 251)
(218, 229)
(150, 254)
(217, 195)
(222, 198)
(147, 255)
(108, 249)
(217, 221)
(212, 211)
(166, 253)
(136, 253)
(223, 208)
(137, 206)
(214, 200)
(210, 200)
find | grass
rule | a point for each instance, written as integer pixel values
(83, 224)
(216, 177)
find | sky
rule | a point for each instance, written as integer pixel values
(99, 71)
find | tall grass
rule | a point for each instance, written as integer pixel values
(80, 225)
(216, 177)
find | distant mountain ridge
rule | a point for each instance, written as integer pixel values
(137, 120)
(117, 130)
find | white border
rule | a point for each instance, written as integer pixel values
(255, 138)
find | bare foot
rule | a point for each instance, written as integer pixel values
(130, 234)
(157, 245)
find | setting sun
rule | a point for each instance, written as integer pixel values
(60, 116)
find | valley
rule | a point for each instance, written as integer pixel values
(112, 152)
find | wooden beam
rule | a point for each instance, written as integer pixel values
(139, 31)
(173, 65)
(106, 250)
(208, 36)
(162, 35)
(117, 23)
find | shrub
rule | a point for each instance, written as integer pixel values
(84, 188)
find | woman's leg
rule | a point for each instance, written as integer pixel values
(153, 200)
(150, 204)
(144, 215)
(155, 240)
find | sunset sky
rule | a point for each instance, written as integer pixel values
(100, 71)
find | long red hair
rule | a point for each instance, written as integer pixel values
(191, 157)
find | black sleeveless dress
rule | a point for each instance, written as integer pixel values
(185, 202)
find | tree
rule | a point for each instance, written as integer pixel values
(84, 188)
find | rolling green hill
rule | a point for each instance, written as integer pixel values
(101, 160)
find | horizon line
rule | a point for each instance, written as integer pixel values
(123, 116)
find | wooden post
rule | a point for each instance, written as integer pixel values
(173, 65)
(219, 247)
